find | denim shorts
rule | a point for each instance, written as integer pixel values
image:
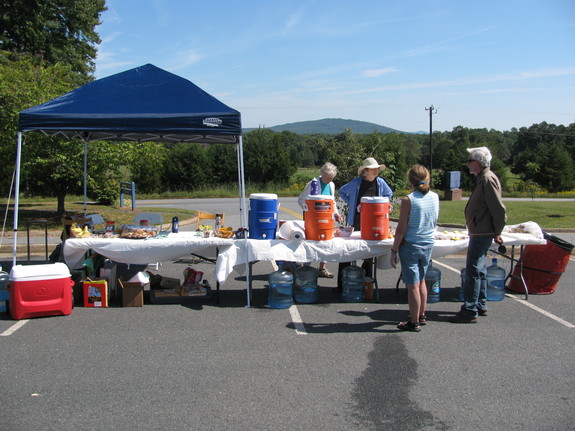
(414, 260)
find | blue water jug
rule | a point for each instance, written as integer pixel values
(306, 284)
(462, 287)
(281, 288)
(263, 215)
(433, 281)
(495, 282)
(4, 293)
(352, 280)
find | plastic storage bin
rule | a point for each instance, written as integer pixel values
(40, 290)
(542, 266)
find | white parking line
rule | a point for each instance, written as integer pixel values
(521, 301)
(296, 319)
(14, 328)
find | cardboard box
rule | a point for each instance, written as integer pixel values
(453, 195)
(96, 293)
(131, 294)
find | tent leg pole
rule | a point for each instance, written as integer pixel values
(85, 175)
(243, 218)
(16, 198)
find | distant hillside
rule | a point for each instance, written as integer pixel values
(330, 126)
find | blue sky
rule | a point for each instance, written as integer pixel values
(492, 64)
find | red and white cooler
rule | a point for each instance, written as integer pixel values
(40, 290)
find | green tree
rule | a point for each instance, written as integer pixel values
(266, 158)
(187, 167)
(49, 165)
(223, 163)
(58, 31)
(147, 166)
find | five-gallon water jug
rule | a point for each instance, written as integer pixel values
(495, 282)
(462, 287)
(306, 284)
(281, 288)
(433, 281)
(4, 293)
(353, 280)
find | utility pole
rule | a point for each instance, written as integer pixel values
(432, 111)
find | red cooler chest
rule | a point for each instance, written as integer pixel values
(40, 290)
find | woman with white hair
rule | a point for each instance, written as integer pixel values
(485, 216)
(325, 187)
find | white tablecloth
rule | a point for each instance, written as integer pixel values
(334, 250)
(143, 251)
(235, 253)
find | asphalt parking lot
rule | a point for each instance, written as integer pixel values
(324, 366)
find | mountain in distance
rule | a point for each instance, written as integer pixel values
(330, 126)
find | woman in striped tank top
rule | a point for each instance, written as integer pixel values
(414, 239)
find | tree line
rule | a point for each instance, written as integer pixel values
(56, 54)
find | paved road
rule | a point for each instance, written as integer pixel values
(324, 366)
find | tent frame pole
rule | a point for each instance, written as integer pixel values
(16, 197)
(85, 174)
(243, 217)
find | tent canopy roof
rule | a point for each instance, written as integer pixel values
(142, 104)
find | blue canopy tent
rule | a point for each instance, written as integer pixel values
(141, 104)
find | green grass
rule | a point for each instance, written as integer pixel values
(45, 209)
(547, 214)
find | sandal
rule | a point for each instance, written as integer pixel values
(324, 273)
(422, 319)
(409, 326)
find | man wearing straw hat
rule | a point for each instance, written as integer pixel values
(368, 183)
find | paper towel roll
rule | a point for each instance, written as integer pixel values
(293, 230)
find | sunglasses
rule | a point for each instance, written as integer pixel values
(471, 160)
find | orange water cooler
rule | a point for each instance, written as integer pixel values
(318, 217)
(374, 215)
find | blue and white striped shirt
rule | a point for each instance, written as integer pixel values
(422, 218)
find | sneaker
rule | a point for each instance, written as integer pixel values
(409, 326)
(462, 318)
(483, 312)
(324, 273)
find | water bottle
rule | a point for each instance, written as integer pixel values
(175, 225)
(314, 187)
(353, 280)
(281, 288)
(462, 287)
(433, 281)
(218, 222)
(4, 293)
(495, 282)
(306, 284)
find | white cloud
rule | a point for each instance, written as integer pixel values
(374, 73)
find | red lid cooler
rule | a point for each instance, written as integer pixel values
(40, 290)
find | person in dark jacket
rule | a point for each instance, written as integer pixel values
(485, 216)
(368, 183)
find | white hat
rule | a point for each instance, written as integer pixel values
(369, 163)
